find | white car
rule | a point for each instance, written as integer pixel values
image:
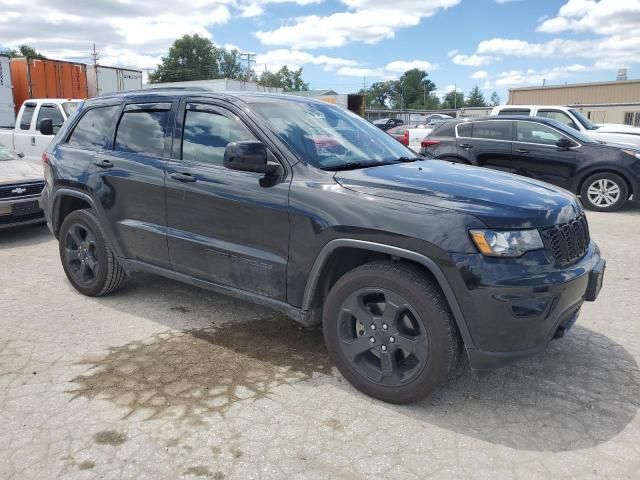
(572, 117)
(25, 137)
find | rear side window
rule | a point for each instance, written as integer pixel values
(142, 131)
(444, 129)
(515, 111)
(464, 130)
(53, 113)
(206, 135)
(95, 128)
(27, 116)
(493, 130)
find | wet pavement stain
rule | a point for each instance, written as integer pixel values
(189, 373)
(198, 471)
(110, 437)
(86, 465)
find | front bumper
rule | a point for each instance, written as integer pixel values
(20, 211)
(514, 307)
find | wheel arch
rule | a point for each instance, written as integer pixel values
(579, 182)
(316, 286)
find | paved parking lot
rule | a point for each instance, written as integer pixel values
(163, 380)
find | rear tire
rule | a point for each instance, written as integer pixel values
(416, 346)
(604, 192)
(87, 257)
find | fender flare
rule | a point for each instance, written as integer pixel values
(68, 192)
(423, 260)
(633, 184)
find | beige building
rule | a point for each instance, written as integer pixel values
(602, 102)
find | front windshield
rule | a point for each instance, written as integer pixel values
(586, 123)
(70, 107)
(329, 137)
(6, 154)
(571, 132)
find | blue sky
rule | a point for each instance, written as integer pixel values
(496, 44)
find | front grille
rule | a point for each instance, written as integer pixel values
(567, 242)
(21, 190)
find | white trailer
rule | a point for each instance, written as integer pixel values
(103, 80)
(7, 112)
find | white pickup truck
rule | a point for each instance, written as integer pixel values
(25, 137)
(572, 117)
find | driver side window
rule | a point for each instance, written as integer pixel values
(52, 112)
(531, 132)
(206, 135)
(559, 116)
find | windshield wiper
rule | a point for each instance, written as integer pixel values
(347, 166)
(408, 159)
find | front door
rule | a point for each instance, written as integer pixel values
(224, 226)
(537, 156)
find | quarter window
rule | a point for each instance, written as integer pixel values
(206, 135)
(531, 132)
(142, 131)
(95, 129)
(493, 130)
(515, 111)
(53, 113)
(560, 116)
(27, 116)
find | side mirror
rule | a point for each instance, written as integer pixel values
(564, 144)
(248, 156)
(46, 126)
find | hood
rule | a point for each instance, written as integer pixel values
(618, 128)
(500, 200)
(20, 171)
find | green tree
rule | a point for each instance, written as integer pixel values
(230, 65)
(453, 99)
(475, 98)
(288, 80)
(26, 51)
(414, 90)
(380, 94)
(495, 99)
(189, 58)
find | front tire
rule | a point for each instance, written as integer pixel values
(390, 332)
(87, 257)
(604, 192)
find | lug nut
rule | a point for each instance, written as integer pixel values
(392, 339)
(372, 340)
(372, 326)
(384, 348)
(385, 326)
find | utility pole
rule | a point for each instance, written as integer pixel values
(250, 59)
(94, 55)
(455, 97)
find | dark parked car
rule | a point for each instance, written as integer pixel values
(387, 123)
(604, 175)
(407, 263)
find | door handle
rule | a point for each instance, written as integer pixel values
(521, 150)
(466, 145)
(183, 177)
(33, 141)
(103, 163)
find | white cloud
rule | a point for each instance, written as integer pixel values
(366, 21)
(401, 66)
(472, 60)
(275, 59)
(360, 72)
(603, 17)
(514, 78)
(502, 2)
(480, 75)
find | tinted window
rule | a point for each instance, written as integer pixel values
(142, 131)
(444, 129)
(558, 115)
(515, 111)
(95, 128)
(53, 113)
(464, 130)
(492, 130)
(27, 116)
(206, 134)
(531, 132)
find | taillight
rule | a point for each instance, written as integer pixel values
(405, 138)
(429, 143)
(45, 158)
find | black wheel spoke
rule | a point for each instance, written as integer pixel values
(394, 304)
(80, 252)
(412, 345)
(75, 236)
(73, 254)
(357, 346)
(387, 365)
(356, 307)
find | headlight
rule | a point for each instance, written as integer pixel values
(633, 153)
(506, 244)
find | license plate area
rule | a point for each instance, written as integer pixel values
(25, 208)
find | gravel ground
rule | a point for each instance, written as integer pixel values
(162, 380)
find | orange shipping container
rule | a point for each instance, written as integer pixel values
(35, 78)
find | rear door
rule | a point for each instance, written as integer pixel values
(225, 226)
(487, 143)
(537, 155)
(128, 179)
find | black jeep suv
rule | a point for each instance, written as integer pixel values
(313, 211)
